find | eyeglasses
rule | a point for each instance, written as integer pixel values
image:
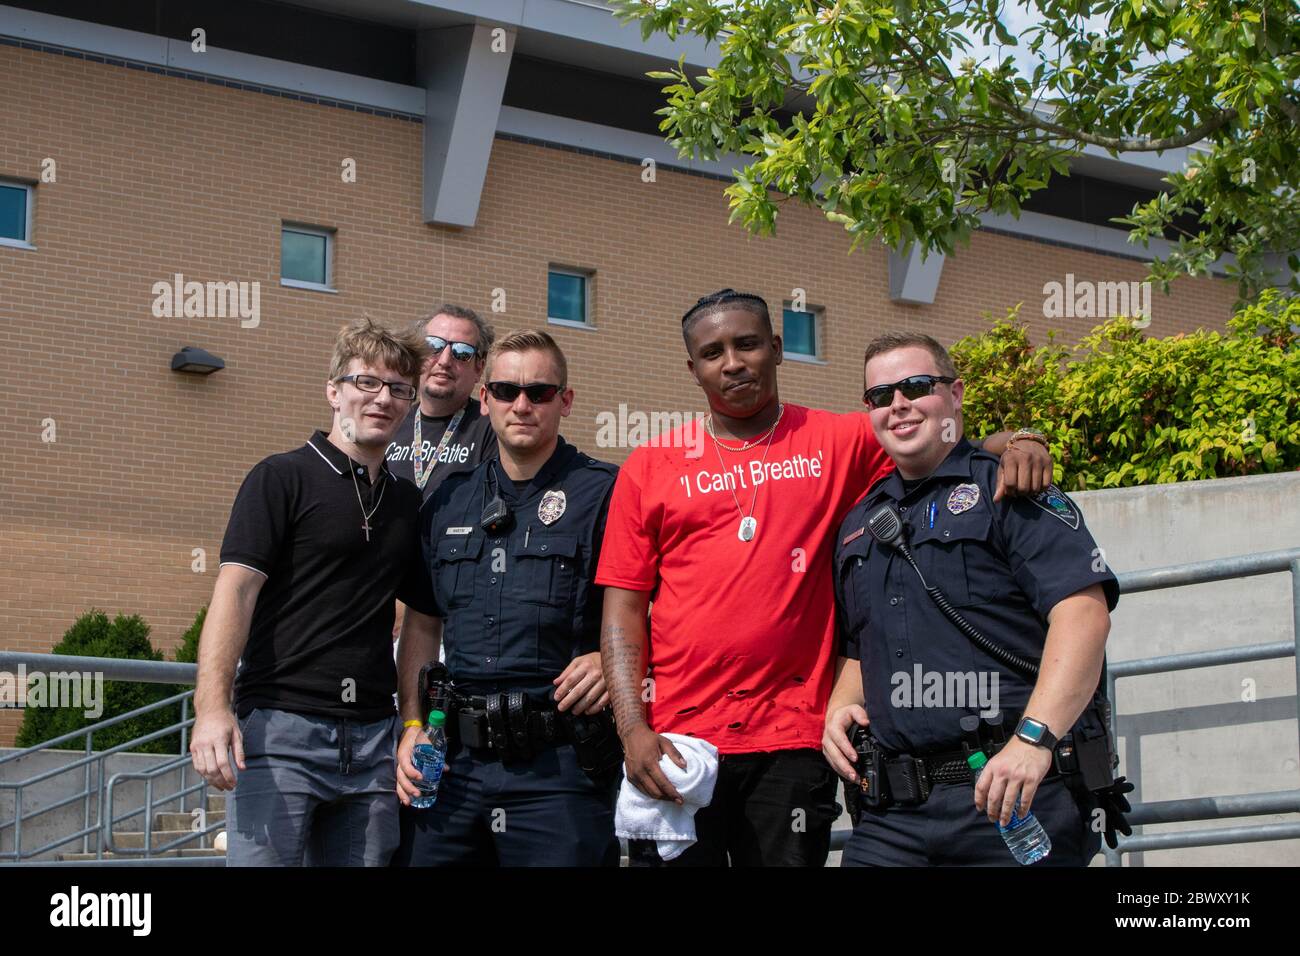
(538, 393)
(912, 387)
(404, 391)
(460, 351)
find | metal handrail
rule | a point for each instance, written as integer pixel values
(95, 727)
(98, 758)
(148, 776)
(113, 669)
(1216, 807)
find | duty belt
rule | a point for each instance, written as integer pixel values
(908, 779)
(516, 725)
(510, 723)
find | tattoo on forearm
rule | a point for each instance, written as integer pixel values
(623, 656)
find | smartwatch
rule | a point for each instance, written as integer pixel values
(1035, 732)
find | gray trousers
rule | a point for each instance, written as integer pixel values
(316, 791)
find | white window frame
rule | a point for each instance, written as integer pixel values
(587, 276)
(819, 330)
(329, 237)
(26, 241)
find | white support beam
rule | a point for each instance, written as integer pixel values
(912, 281)
(463, 71)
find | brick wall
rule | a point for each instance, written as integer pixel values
(161, 175)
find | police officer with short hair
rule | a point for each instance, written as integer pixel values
(1025, 576)
(512, 548)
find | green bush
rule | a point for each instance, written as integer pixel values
(188, 652)
(1123, 408)
(93, 635)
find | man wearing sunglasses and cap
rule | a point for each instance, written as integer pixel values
(735, 549)
(512, 548)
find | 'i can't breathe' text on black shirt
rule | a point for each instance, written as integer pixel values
(473, 442)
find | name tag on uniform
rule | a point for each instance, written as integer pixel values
(459, 530)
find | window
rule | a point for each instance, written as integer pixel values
(801, 333)
(305, 254)
(15, 214)
(568, 296)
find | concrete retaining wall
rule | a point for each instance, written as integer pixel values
(1212, 731)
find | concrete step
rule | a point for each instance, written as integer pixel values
(135, 839)
(169, 820)
(216, 803)
(83, 857)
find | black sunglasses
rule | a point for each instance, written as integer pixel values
(460, 351)
(912, 387)
(368, 383)
(538, 393)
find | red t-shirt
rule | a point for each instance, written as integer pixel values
(742, 633)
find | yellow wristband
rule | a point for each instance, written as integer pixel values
(413, 723)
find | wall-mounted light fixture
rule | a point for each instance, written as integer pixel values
(196, 361)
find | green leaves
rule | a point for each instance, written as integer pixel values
(1124, 409)
(1158, 72)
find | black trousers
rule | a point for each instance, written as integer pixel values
(540, 812)
(947, 830)
(768, 809)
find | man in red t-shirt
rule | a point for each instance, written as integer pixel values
(734, 548)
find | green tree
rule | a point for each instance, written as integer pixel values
(875, 111)
(93, 635)
(1125, 409)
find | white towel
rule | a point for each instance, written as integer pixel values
(672, 827)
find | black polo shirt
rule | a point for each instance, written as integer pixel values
(474, 441)
(321, 637)
(1002, 565)
(518, 606)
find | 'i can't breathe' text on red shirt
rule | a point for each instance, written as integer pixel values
(741, 632)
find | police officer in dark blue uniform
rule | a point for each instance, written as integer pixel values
(512, 548)
(1025, 576)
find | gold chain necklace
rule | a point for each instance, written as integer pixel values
(708, 426)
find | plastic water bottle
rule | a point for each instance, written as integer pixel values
(430, 759)
(1024, 836)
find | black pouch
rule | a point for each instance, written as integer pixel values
(472, 724)
(596, 745)
(1092, 748)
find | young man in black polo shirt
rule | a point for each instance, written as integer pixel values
(320, 542)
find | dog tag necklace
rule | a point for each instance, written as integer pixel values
(748, 523)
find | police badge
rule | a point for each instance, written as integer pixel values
(963, 498)
(552, 507)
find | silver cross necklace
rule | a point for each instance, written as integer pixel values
(366, 516)
(748, 523)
